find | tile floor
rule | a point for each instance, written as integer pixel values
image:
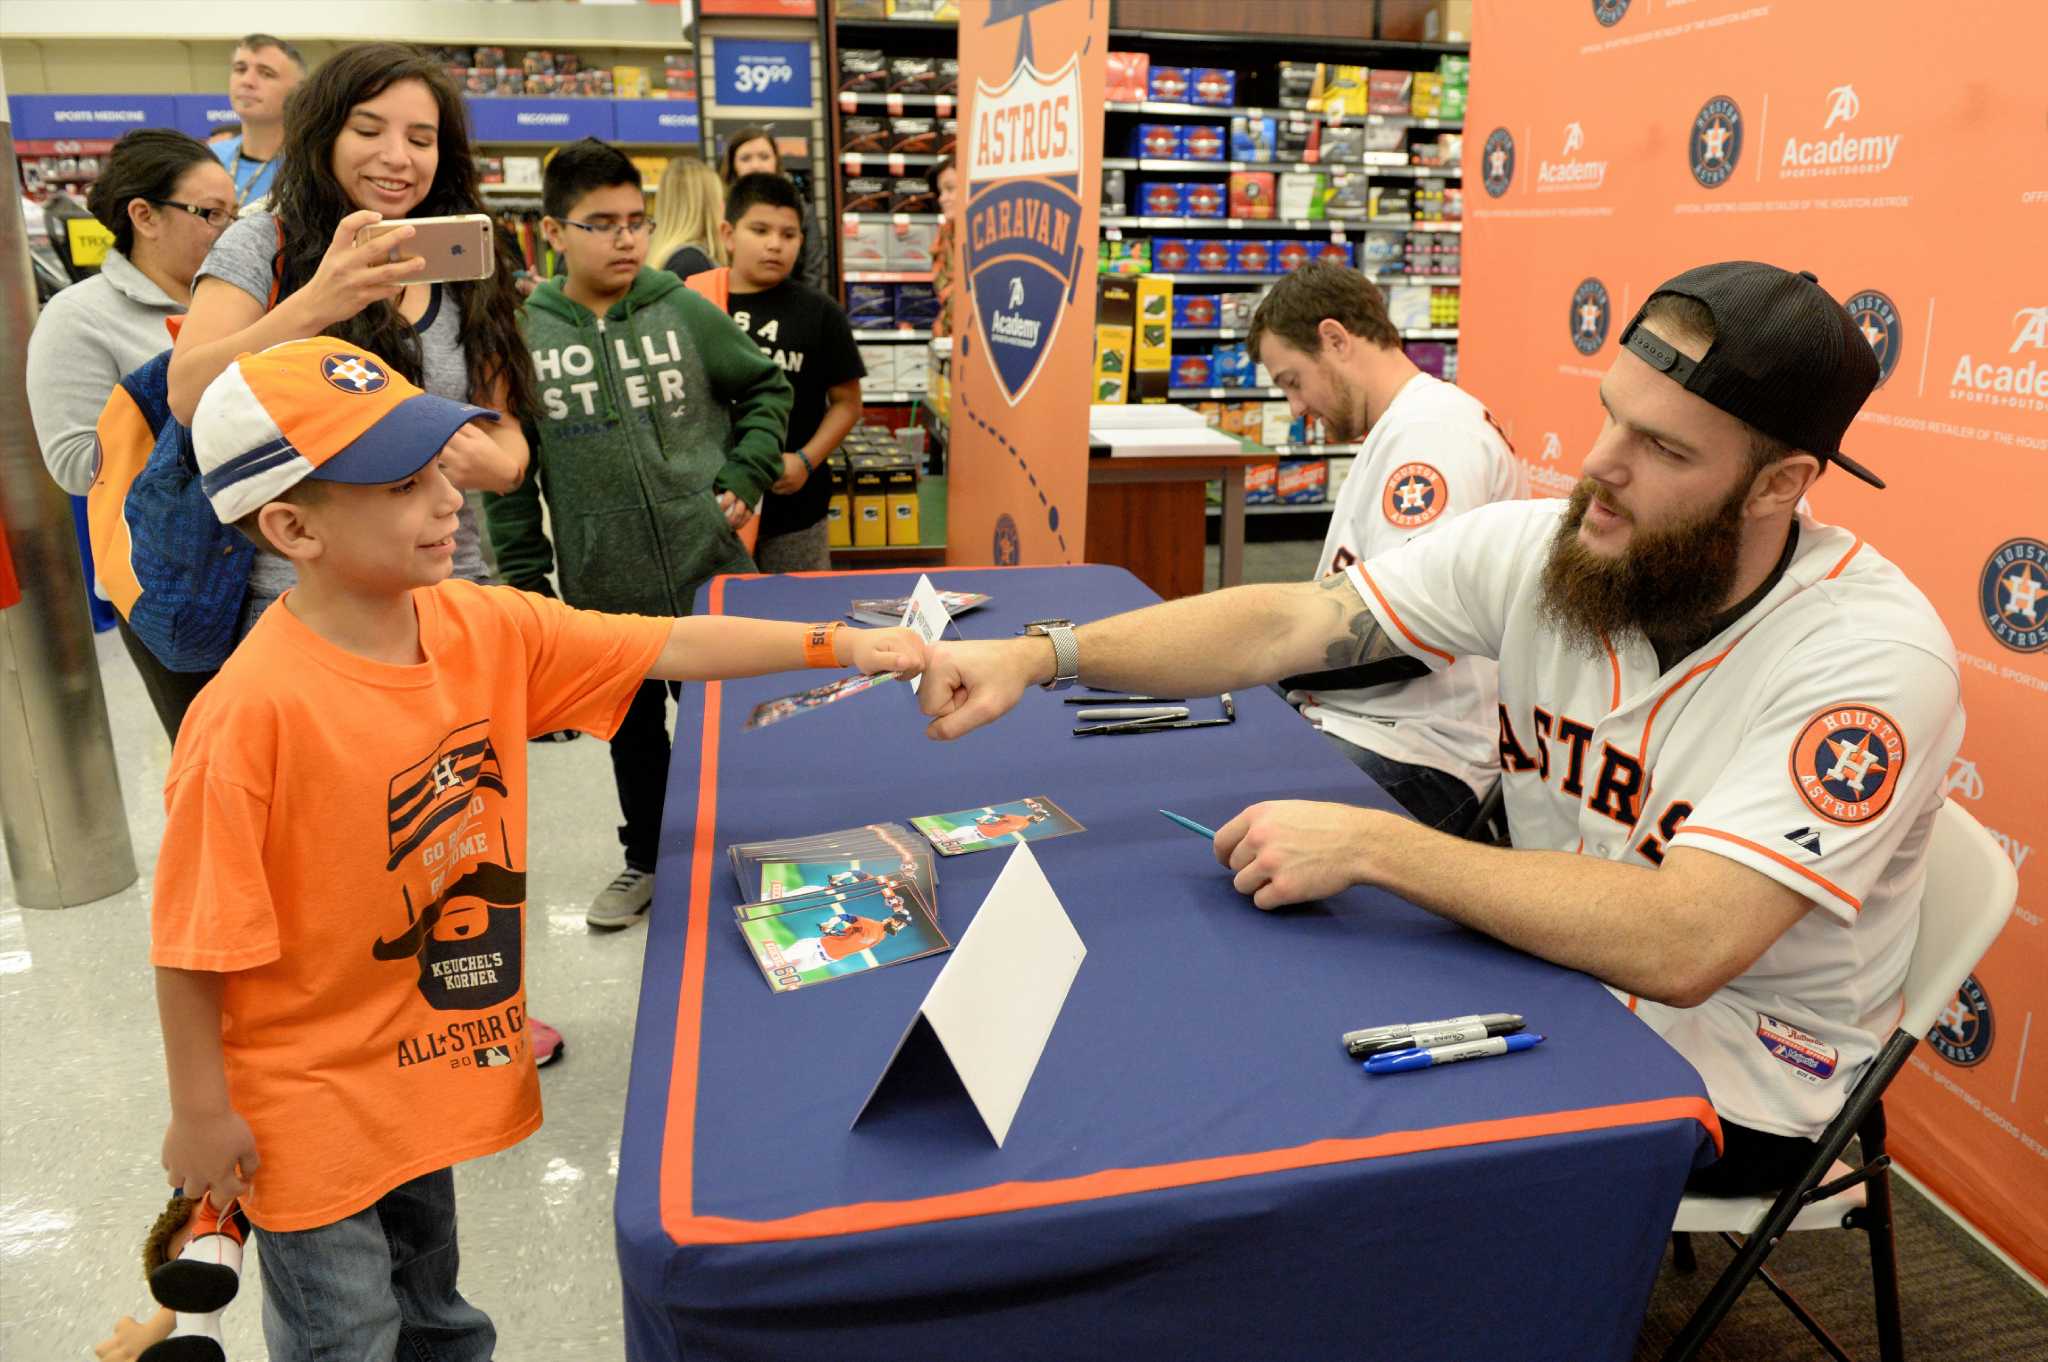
(81, 1070)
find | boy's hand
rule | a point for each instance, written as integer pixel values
(884, 650)
(737, 512)
(213, 1151)
(796, 471)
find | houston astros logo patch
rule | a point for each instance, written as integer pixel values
(1415, 495)
(353, 373)
(1847, 763)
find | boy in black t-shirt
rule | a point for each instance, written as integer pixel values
(807, 334)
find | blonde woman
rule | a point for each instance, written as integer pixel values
(689, 205)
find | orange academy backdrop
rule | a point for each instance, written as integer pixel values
(1024, 320)
(1899, 151)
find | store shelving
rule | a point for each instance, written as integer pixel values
(1240, 332)
(899, 219)
(888, 276)
(1369, 169)
(1280, 508)
(858, 161)
(1163, 109)
(1334, 226)
(1224, 394)
(879, 335)
(942, 106)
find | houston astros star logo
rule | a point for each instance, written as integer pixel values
(1415, 494)
(1877, 319)
(1716, 142)
(2012, 594)
(353, 373)
(1847, 762)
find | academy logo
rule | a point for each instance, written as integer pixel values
(2012, 595)
(1847, 763)
(1962, 1033)
(1497, 162)
(1878, 320)
(1553, 447)
(1590, 315)
(1848, 152)
(2024, 386)
(1567, 173)
(1415, 494)
(1963, 780)
(1609, 12)
(353, 373)
(1024, 158)
(1716, 143)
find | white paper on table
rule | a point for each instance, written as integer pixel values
(994, 1004)
(926, 614)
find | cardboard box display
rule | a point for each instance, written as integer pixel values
(1196, 309)
(913, 194)
(1154, 299)
(1383, 250)
(1388, 201)
(1251, 193)
(1204, 199)
(871, 304)
(1341, 89)
(630, 82)
(1168, 84)
(913, 369)
(900, 490)
(863, 70)
(1212, 414)
(1448, 21)
(1112, 369)
(1151, 386)
(1203, 142)
(839, 508)
(914, 9)
(948, 136)
(864, 134)
(1275, 423)
(910, 246)
(1258, 482)
(1192, 371)
(1251, 256)
(1172, 253)
(1297, 84)
(880, 363)
(914, 136)
(1425, 95)
(1232, 366)
(1342, 146)
(1408, 306)
(1333, 253)
(1292, 254)
(1253, 139)
(1124, 76)
(1126, 256)
(866, 194)
(870, 498)
(1213, 85)
(913, 75)
(1349, 198)
(1301, 482)
(1300, 194)
(916, 305)
(1213, 256)
(1239, 305)
(865, 245)
(1297, 140)
(1391, 92)
(1163, 199)
(1160, 141)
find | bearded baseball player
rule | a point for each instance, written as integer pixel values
(1723, 725)
(1431, 453)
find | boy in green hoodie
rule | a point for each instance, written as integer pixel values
(661, 426)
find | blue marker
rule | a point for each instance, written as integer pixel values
(1450, 1054)
(1190, 824)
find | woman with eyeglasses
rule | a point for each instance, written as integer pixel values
(166, 199)
(377, 132)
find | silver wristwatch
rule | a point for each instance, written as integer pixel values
(1066, 654)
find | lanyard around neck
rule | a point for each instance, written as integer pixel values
(242, 187)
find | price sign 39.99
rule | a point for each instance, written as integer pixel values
(763, 74)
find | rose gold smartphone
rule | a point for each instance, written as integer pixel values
(456, 248)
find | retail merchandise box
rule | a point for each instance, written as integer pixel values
(1350, 196)
(880, 363)
(1449, 21)
(914, 136)
(1204, 142)
(1297, 84)
(630, 82)
(910, 246)
(1276, 423)
(1230, 366)
(1250, 255)
(1390, 201)
(1168, 84)
(1453, 104)
(1112, 377)
(871, 305)
(1154, 299)
(1251, 193)
(913, 369)
(1383, 250)
(1426, 95)
(1408, 306)
(865, 245)
(1124, 76)
(1127, 255)
(900, 489)
(949, 76)
(1432, 357)
(916, 305)
(870, 500)
(863, 133)
(949, 136)
(913, 75)
(1214, 256)
(918, 9)
(1391, 92)
(913, 194)
(1213, 86)
(1291, 254)
(1151, 385)
(1301, 482)
(1341, 89)
(1163, 199)
(1253, 139)
(838, 508)
(1301, 194)
(1116, 301)
(1161, 141)
(1238, 307)
(866, 194)
(1197, 309)
(1258, 482)
(1342, 146)
(863, 71)
(863, 9)
(1332, 253)
(1297, 139)
(1192, 371)
(1171, 254)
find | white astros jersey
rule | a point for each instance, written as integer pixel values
(1433, 454)
(1807, 741)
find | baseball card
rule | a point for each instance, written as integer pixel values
(817, 944)
(789, 706)
(995, 825)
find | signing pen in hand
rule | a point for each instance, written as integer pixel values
(1190, 824)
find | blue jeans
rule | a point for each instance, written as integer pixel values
(1435, 798)
(376, 1287)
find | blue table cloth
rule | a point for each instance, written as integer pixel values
(1197, 1169)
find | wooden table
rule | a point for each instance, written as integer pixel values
(1147, 514)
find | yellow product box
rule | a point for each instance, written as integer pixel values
(900, 489)
(1155, 324)
(629, 82)
(1426, 97)
(839, 509)
(1112, 381)
(1341, 89)
(870, 503)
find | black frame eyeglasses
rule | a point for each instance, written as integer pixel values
(216, 218)
(630, 228)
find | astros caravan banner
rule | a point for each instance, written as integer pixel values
(1031, 142)
(1899, 152)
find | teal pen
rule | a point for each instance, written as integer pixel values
(1190, 824)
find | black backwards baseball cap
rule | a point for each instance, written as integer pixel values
(1786, 357)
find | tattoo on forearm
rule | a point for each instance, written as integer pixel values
(1362, 640)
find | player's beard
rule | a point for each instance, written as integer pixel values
(1667, 583)
(1346, 424)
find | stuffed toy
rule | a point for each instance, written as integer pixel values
(192, 1257)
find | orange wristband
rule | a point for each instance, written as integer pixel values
(818, 645)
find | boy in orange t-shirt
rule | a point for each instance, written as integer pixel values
(339, 919)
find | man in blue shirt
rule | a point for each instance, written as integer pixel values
(264, 71)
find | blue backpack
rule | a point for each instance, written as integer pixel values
(164, 559)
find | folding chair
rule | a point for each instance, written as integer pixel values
(1971, 886)
(1490, 823)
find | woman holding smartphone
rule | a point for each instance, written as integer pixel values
(377, 133)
